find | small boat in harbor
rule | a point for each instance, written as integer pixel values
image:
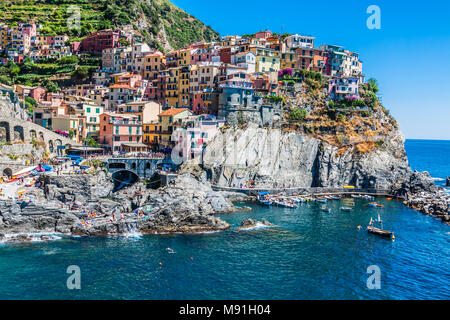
(325, 209)
(374, 204)
(323, 200)
(299, 200)
(346, 209)
(285, 204)
(379, 231)
(335, 198)
(264, 199)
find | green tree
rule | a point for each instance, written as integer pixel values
(51, 86)
(5, 80)
(68, 60)
(91, 142)
(82, 72)
(31, 104)
(13, 70)
(373, 85)
(27, 66)
(298, 114)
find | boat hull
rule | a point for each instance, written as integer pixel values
(380, 232)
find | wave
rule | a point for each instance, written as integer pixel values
(259, 225)
(208, 232)
(30, 237)
(133, 235)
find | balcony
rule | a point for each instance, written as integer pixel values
(125, 123)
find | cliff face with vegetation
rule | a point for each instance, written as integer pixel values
(161, 23)
(319, 143)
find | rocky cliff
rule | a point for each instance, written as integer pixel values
(275, 158)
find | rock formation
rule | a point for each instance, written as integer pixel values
(275, 158)
(186, 205)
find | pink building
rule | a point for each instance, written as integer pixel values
(263, 83)
(104, 39)
(201, 55)
(121, 132)
(192, 139)
(343, 87)
(38, 93)
(29, 29)
(75, 46)
(263, 34)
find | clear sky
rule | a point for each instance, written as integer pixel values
(409, 55)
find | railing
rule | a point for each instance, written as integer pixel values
(119, 122)
(307, 191)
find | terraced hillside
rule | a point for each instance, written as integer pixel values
(161, 23)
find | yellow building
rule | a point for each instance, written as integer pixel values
(289, 60)
(177, 87)
(4, 38)
(184, 98)
(178, 58)
(184, 57)
(159, 134)
(74, 124)
(171, 87)
(266, 60)
(153, 63)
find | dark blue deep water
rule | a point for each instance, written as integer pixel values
(308, 255)
(432, 156)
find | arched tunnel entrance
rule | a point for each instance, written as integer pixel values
(123, 179)
(7, 173)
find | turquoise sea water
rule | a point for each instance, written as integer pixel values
(308, 255)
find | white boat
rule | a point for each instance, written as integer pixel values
(284, 204)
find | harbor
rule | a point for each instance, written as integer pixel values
(303, 247)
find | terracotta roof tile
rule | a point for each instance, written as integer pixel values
(172, 112)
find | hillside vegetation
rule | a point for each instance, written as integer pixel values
(161, 23)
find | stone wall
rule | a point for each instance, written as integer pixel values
(17, 130)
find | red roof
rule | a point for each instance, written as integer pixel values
(172, 112)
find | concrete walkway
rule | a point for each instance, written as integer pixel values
(309, 191)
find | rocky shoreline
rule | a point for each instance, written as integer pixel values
(421, 193)
(433, 204)
(85, 205)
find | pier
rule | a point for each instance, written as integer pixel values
(313, 191)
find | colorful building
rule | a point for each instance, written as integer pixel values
(343, 87)
(191, 140)
(159, 134)
(121, 132)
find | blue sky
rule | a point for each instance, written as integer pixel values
(409, 56)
